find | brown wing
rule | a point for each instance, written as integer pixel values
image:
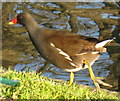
(72, 43)
(66, 50)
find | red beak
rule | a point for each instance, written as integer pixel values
(14, 21)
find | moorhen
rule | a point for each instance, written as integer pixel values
(68, 51)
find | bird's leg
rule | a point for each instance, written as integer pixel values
(42, 69)
(71, 78)
(100, 78)
(96, 79)
(92, 76)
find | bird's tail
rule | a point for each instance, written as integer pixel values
(103, 43)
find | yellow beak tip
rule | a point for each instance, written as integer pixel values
(10, 23)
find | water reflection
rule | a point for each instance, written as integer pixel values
(20, 54)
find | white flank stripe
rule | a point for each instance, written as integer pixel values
(68, 58)
(52, 44)
(73, 70)
(103, 43)
(62, 53)
(72, 64)
(95, 52)
(82, 53)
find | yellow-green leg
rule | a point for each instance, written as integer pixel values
(92, 76)
(96, 79)
(71, 78)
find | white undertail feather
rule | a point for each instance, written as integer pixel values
(103, 43)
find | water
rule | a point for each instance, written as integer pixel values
(89, 19)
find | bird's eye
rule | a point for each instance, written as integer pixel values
(21, 17)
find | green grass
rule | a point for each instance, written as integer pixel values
(34, 86)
